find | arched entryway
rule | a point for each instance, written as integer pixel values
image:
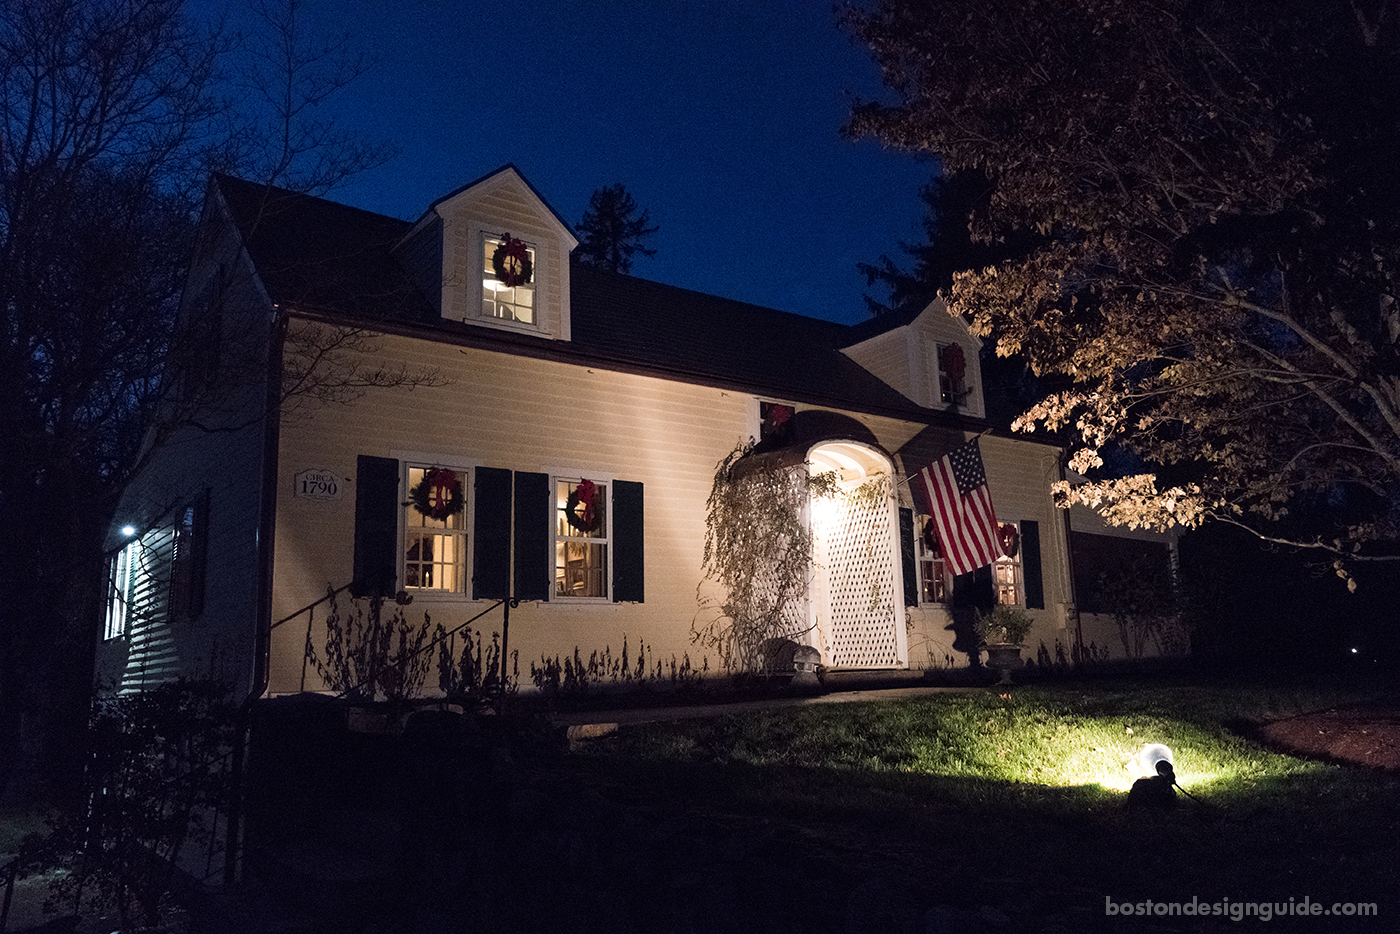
(857, 605)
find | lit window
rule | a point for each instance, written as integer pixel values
(952, 374)
(933, 570)
(121, 589)
(508, 280)
(1006, 571)
(580, 538)
(435, 530)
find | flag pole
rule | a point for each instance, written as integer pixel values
(909, 476)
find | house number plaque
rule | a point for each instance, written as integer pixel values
(316, 483)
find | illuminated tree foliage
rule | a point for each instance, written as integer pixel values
(1214, 185)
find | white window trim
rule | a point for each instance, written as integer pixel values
(556, 474)
(969, 377)
(1018, 573)
(756, 417)
(479, 236)
(466, 467)
(919, 567)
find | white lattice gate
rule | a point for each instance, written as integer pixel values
(859, 560)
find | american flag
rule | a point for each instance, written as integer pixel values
(961, 506)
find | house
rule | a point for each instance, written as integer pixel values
(452, 410)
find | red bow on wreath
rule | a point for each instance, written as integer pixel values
(444, 483)
(512, 262)
(586, 492)
(954, 365)
(1010, 540)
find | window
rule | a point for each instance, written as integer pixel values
(580, 538)
(775, 423)
(435, 530)
(933, 570)
(952, 374)
(508, 280)
(1006, 572)
(121, 589)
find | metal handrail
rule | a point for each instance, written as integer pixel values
(312, 605)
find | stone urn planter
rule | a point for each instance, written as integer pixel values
(1004, 658)
(1001, 630)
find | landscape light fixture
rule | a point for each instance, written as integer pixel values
(1156, 759)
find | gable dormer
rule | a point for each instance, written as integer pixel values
(931, 358)
(494, 254)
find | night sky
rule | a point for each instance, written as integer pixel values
(720, 117)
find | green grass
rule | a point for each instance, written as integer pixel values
(1029, 790)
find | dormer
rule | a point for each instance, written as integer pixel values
(929, 356)
(494, 254)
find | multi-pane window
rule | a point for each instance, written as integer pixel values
(1006, 571)
(775, 422)
(510, 295)
(952, 374)
(580, 538)
(121, 589)
(933, 570)
(435, 530)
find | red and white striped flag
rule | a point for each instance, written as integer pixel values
(961, 506)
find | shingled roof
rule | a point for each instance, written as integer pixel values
(316, 255)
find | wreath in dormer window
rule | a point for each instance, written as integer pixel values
(954, 365)
(511, 262)
(438, 495)
(585, 495)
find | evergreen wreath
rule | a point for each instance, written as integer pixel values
(511, 262)
(438, 495)
(1010, 540)
(586, 492)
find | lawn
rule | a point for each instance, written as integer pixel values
(952, 812)
(1017, 802)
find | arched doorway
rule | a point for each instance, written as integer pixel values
(857, 604)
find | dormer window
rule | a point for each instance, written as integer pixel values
(508, 279)
(952, 375)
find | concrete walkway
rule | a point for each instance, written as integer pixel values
(588, 724)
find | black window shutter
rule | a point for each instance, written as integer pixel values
(1030, 565)
(376, 527)
(199, 556)
(975, 589)
(533, 538)
(906, 552)
(627, 541)
(491, 534)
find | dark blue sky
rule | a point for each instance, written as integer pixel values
(720, 117)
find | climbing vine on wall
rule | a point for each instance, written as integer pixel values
(759, 552)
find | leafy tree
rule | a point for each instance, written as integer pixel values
(1220, 216)
(612, 230)
(113, 112)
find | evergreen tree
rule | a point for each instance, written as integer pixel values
(613, 232)
(954, 201)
